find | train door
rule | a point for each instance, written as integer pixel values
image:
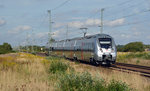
(74, 49)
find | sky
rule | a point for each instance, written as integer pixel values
(26, 22)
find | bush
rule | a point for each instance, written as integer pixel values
(120, 48)
(5, 48)
(134, 47)
(69, 80)
(117, 86)
(80, 82)
(85, 82)
(147, 56)
(58, 67)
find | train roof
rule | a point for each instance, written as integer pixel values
(86, 37)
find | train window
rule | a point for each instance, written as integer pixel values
(105, 42)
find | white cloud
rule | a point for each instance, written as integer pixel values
(2, 22)
(90, 23)
(115, 22)
(96, 23)
(137, 33)
(19, 29)
(148, 37)
(79, 24)
(41, 34)
(58, 33)
(76, 24)
(58, 25)
(77, 18)
(87, 23)
(125, 35)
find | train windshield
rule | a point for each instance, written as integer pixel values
(105, 42)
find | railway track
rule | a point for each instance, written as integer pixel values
(130, 68)
(41, 54)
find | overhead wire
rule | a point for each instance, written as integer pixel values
(122, 3)
(98, 11)
(109, 7)
(62, 4)
(126, 16)
(124, 9)
(57, 7)
(130, 23)
(130, 15)
(94, 14)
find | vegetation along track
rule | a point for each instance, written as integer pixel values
(130, 68)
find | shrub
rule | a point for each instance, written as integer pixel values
(137, 61)
(58, 67)
(85, 82)
(147, 56)
(5, 48)
(117, 86)
(120, 48)
(67, 80)
(80, 82)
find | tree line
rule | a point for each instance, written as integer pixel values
(5, 48)
(31, 49)
(133, 47)
(130, 47)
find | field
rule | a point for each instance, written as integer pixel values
(27, 72)
(138, 58)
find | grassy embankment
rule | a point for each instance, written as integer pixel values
(140, 58)
(23, 72)
(26, 72)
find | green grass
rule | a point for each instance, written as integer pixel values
(139, 55)
(52, 58)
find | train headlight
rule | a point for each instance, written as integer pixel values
(101, 50)
(112, 50)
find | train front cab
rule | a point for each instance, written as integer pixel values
(105, 52)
